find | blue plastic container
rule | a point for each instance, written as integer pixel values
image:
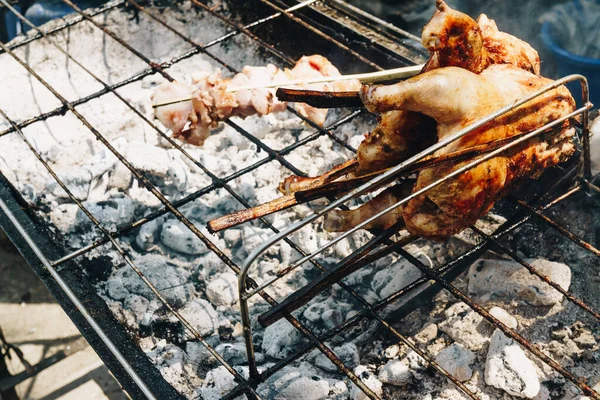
(43, 11)
(570, 63)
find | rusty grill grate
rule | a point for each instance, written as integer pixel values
(322, 21)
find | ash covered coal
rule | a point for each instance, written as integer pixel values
(200, 285)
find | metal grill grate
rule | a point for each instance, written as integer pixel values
(322, 21)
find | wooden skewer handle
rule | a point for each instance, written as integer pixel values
(320, 99)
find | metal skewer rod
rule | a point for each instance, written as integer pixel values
(370, 77)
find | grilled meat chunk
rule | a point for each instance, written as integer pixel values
(211, 102)
(455, 98)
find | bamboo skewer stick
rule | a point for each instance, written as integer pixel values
(328, 188)
(319, 99)
(370, 77)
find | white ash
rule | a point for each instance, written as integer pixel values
(396, 373)
(365, 374)
(508, 280)
(456, 360)
(201, 286)
(508, 368)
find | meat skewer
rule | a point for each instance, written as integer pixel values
(211, 98)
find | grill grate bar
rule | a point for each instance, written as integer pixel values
(474, 252)
(537, 273)
(190, 226)
(146, 281)
(565, 232)
(138, 76)
(500, 325)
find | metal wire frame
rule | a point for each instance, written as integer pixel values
(244, 294)
(70, 106)
(154, 67)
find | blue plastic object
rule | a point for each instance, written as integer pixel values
(570, 63)
(41, 12)
(12, 23)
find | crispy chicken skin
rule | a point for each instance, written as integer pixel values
(455, 98)
(453, 39)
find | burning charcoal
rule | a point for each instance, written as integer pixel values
(427, 334)
(295, 383)
(585, 339)
(199, 355)
(177, 173)
(394, 278)
(280, 339)
(201, 314)
(223, 290)
(171, 281)
(369, 379)
(314, 311)
(149, 159)
(509, 280)
(218, 382)
(233, 353)
(115, 288)
(348, 353)
(395, 373)
(65, 217)
(118, 210)
(120, 178)
(504, 317)
(508, 368)
(137, 304)
(465, 326)
(146, 237)
(456, 360)
(77, 181)
(232, 237)
(332, 318)
(175, 235)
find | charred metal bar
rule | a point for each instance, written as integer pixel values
(565, 232)
(471, 254)
(537, 273)
(323, 35)
(320, 99)
(138, 76)
(431, 274)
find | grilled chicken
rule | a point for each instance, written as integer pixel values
(453, 39)
(455, 98)
(211, 102)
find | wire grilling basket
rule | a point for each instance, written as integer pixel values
(348, 34)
